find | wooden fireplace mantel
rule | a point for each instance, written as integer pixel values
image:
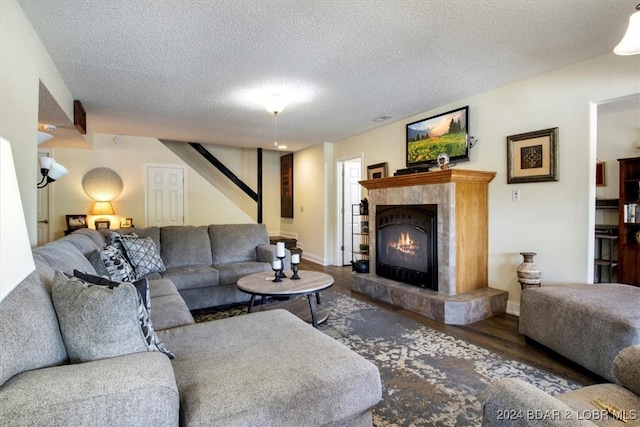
(426, 178)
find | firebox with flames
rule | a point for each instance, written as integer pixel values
(405, 245)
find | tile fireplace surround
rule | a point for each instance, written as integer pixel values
(463, 294)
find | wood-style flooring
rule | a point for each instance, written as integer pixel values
(498, 333)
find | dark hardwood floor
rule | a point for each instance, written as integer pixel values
(498, 334)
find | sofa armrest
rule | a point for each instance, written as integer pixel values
(137, 389)
(267, 253)
(626, 368)
(512, 403)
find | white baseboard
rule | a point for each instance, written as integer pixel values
(313, 258)
(513, 308)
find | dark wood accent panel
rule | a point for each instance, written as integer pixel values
(628, 222)
(286, 186)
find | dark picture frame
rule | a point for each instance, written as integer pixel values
(75, 222)
(102, 224)
(601, 175)
(377, 171)
(286, 186)
(532, 156)
(446, 133)
(126, 222)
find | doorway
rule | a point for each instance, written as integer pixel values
(349, 193)
(165, 195)
(43, 205)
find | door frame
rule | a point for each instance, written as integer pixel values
(49, 208)
(342, 210)
(146, 188)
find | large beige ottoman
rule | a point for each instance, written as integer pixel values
(588, 324)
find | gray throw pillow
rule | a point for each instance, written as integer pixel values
(99, 322)
(117, 265)
(143, 255)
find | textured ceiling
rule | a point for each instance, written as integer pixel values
(197, 70)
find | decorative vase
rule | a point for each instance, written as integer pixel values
(529, 273)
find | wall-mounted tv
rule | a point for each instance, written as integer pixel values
(445, 133)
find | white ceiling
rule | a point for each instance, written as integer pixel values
(197, 70)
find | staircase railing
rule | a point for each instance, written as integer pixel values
(255, 196)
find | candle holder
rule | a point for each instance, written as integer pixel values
(294, 267)
(281, 274)
(277, 271)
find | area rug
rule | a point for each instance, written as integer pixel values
(428, 377)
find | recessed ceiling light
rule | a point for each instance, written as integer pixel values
(381, 118)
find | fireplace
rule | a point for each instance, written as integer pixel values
(406, 239)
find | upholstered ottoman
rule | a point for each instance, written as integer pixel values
(588, 324)
(269, 369)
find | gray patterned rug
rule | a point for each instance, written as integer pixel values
(428, 377)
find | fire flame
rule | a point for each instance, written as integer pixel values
(405, 244)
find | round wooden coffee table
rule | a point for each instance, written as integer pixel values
(310, 284)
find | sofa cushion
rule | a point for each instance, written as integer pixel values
(95, 258)
(116, 264)
(98, 322)
(626, 368)
(94, 235)
(185, 245)
(170, 311)
(83, 242)
(193, 276)
(143, 255)
(230, 273)
(276, 370)
(236, 242)
(134, 390)
(29, 333)
(64, 256)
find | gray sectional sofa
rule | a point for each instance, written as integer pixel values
(511, 402)
(206, 262)
(262, 369)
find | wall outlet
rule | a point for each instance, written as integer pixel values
(515, 195)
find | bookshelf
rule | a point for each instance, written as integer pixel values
(629, 222)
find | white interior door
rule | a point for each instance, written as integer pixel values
(351, 192)
(165, 196)
(42, 206)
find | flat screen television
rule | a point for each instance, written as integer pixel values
(445, 133)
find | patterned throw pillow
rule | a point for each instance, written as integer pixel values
(117, 265)
(143, 255)
(144, 306)
(142, 285)
(97, 321)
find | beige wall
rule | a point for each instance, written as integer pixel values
(554, 219)
(204, 204)
(24, 62)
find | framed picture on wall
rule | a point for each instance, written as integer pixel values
(377, 171)
(601, 176)
(75, 222)
(532, 156)
(102, 224)
(286, 186)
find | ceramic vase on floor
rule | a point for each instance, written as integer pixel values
(529, 273)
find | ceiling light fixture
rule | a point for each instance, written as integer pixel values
(630, 43)
(44, 133)
(51, 171)
(275, 104)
